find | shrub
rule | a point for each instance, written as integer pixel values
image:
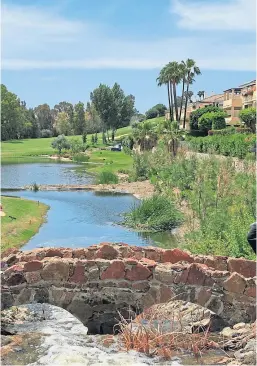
(127, 144)
(237, 145)
(60, 143)
(107, 177)
(76, 146)
(243, 130)
(151, 113)
(46, 133)
(80, 158)
(248, 117)
(195, 115)
(212, 120)
(140, 165)
(154, 214)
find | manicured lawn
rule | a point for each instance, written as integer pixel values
(111, 160)
(29, 217)
(29, 150)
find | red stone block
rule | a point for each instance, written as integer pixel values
(235, 283)
(116, 270)
(32, 277)
(78, 274)
(14, 269)
(203, 296)
(79, 253)
(153, 254)
(33, 266)
(53, 252)
(107, 252)
(138, 272)
(176, 255)
(197, 274)
(148, 262)
(130, 261)
(243, 266)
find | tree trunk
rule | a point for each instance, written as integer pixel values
(175, 100)
(171, 102)
(184, 122)
(113, 134)
(182, 98)
(107, 133)
(168, 86)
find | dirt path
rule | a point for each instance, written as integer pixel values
(138, 189)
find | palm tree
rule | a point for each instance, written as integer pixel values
(171, 134)
(191, 71)
(200, 94)
(145, 135)
(174, 75)
(163, 79)
(183, 76)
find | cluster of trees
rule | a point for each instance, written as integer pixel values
(108, 109)
(173, 74)
(156, 111)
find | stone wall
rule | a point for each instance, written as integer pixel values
(97, 282)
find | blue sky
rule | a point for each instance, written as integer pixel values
(55, 50)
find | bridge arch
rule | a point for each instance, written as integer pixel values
(96, 283)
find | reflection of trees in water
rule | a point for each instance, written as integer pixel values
(162, 239)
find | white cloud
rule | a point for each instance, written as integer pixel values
(219, 15)
(34, 38)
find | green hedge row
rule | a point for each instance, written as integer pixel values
(237, 145)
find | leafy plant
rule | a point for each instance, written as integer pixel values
(60, 143)
(195, 115)
(154, 214)
(248, 117)
(107, 177)
(212, 120)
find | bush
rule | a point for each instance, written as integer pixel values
(46, 133)
(151, 113)
(60, 143)
(212, 120)
(127, 144)
(80, 158)
(107, 177)
(237, 145)
(195, 115)
(140, 166)
(154, 214)
(248, 117)
(76, 145)
(197, 133)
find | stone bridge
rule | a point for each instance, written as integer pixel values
(97, 282)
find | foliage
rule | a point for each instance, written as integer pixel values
(79, 118)
(225, 131)
(248, 117)
(60, 143)
(44, 116)
(80, 158)
(221, 202)
(127, 144)
(62, 124)
(237, 145)
(154, 214)
(35, 187)
(46, 134)
(107, 177)
(76, 145)
(212, 120)
(195, 115)
(10, 114)
(140, 166)
(152, 113)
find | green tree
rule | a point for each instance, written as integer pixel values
(248, 117)
(10, 114)
(62, 124)
(212, 120)
(151, 113)
(60, 143)
(67, 108)
(163, 79)
(79, 119)
(34, 123)
(190, 71)
(175, 75)
(161, 108)
(195, 115)
(200, 94)
(44, 117)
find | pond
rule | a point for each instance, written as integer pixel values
(19, 175)
(77, 218)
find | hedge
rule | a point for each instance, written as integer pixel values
(237, 145)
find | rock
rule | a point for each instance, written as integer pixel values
(245, 267)
(5, 340)
(107, 251)
(32, 266)
(247, 355)
(239, 325)
(116, 270)
(235, 283)
(138, 272)
(176, 255)
(55, 270)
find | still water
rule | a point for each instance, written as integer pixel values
(77, 218)
(19, 175)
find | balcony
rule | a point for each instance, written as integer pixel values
(234, 101)
(249, 90)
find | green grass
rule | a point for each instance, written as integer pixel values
(111, 160)
(107, 177)
(157, 213)
(29, 217)
(30, 150)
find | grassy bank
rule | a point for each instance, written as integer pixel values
(29, 217)
(30, 150)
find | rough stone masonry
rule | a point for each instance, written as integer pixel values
(98, 282)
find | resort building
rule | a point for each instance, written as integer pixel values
(236, 99)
